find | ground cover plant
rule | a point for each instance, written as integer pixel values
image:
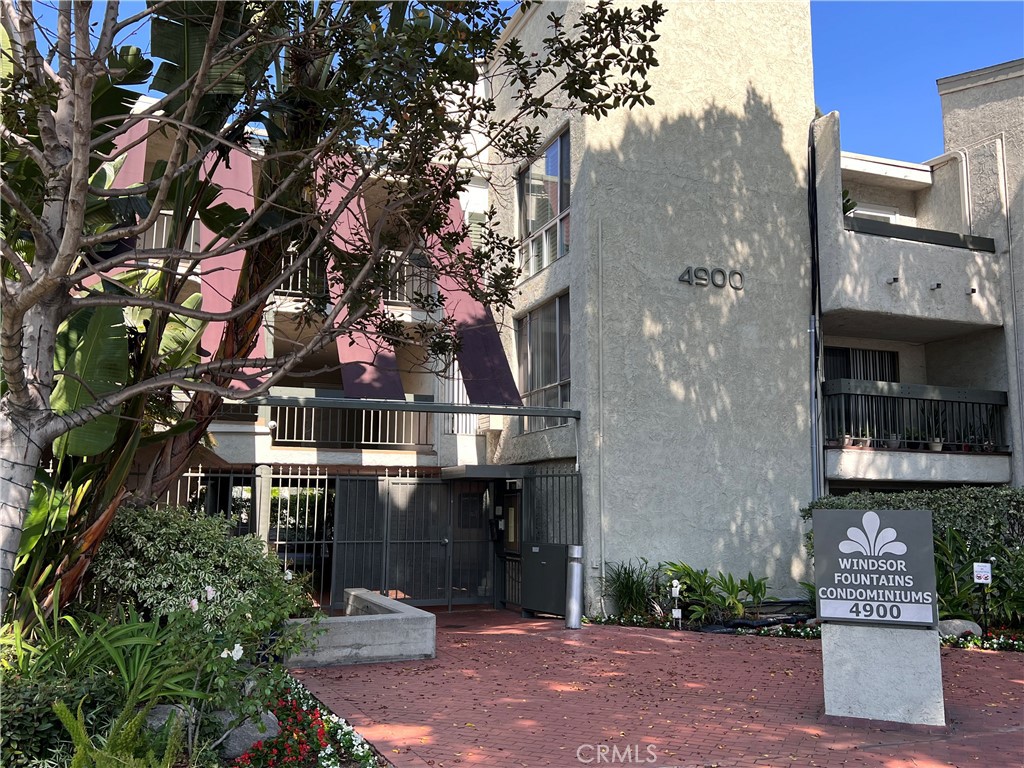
(642, 595)
(310, 737)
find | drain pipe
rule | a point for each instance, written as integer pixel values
(813, 325)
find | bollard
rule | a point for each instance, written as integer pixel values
(574, 588)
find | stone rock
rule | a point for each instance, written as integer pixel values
(161, 713)
(245, 735)
(958, 627)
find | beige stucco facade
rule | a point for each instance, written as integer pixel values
(693, 441)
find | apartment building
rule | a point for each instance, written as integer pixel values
(920, 298)
(703, 339)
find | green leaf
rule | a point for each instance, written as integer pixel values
(180, 428)
(93, 348)
(47, 511)
(182, 335)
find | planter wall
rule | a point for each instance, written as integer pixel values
(374, 628)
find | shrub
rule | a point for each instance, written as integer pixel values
(32, 734)
(633, 588)
(227, 598)
(95, 663)
(168, 560)
(983, 516)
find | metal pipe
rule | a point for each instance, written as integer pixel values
(574, 588)
(358, 404)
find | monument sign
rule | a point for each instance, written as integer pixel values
(874, 576)
(875, 566)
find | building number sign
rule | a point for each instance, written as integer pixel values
(702, 277)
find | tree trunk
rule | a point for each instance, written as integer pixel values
(19, 459)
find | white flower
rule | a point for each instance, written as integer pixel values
(193, 604)
(210, 592)
(235, 653)
(288, 575)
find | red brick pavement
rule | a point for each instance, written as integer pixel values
(510, 692)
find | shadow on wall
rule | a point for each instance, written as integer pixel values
(705, 380)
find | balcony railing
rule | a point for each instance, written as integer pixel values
(412, 281)
(892, 416)
(332, 428)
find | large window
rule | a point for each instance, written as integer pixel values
(544, 207)
(543, 341)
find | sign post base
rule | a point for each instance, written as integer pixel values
(882, 673)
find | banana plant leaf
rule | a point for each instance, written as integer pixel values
(93, 348)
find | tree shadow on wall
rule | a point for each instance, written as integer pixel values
(705, 383)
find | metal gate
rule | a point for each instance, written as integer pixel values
(423, 541)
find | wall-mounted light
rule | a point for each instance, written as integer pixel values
(271, 425)
(892, 280)
(935, 286)
(970, 291)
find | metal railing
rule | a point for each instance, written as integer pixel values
(320, 427)
(411, 282)
(893, 416)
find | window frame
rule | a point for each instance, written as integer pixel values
(528, 359)
(543, 243)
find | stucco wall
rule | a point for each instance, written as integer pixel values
(694, 436)
(975, 361)
(940, 206)
(983, 114)
(901, 199)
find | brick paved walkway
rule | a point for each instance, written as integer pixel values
(510, 692)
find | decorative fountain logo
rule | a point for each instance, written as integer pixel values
(871, 541)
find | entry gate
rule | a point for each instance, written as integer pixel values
(426, 541)
(422, 541)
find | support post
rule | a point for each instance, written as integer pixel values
(574, 587)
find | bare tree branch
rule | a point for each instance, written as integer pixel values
(11, 256)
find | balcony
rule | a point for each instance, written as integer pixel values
(885, 431)
(920, 284)
(411, 287)
(338, 429)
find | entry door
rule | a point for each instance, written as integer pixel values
(472, 545)
(418, 566)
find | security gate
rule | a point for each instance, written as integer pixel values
(426, 542)
(418, 542)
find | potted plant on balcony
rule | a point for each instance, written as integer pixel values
(863, 440)
(892, 441)
(935, 431)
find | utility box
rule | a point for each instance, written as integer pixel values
(544, 568)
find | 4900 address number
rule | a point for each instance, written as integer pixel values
(715, 277)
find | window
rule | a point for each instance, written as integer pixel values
(544, 207)
(867, 364)
(543, 342)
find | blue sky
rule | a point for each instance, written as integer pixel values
(876, 63)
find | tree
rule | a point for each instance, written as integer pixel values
(333, 103)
